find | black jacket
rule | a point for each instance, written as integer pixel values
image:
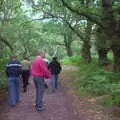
(54, 67)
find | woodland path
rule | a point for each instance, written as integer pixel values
(59, 106)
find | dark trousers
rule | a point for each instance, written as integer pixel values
(25, 76)
(55, 81)
(39, 85)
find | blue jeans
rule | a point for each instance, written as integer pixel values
(40, 86)
(13, 90)
(54, 81)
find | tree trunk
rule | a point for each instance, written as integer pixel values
(69, 51)
(68, 43)
(86, 54)
(116, 52)
(102, 53)
(112, 30)
(108, 18)
(1, 49)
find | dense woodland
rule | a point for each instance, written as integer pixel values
(89, 29)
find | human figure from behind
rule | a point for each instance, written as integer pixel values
(25, 73)
(55, 69)
(47, 63)
(13, 70)
(40, 72)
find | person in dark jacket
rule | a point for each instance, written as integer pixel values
(55, 69)
(13, 70)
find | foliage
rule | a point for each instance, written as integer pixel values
(71, 60)
(99, 82)
(3, 80)
(110, 55)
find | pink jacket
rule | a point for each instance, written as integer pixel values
(39, 68)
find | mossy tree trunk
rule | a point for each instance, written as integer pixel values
(116, 52)
(103, 59)
(112, 29)
(86, 54)
(68, 45)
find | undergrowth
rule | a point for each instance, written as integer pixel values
(96, 81)
(3, 81)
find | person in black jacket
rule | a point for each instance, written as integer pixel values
(55, 69)
(13, 71)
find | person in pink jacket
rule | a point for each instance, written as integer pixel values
(39, 72)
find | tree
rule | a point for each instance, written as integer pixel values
(102, 46)
(109, 23)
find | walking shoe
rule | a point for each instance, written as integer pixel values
(24, 90)
(37, 105)
(41, 108)
(46, 86)
(12, 106)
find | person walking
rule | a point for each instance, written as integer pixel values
(13, 70)
(46, 80)
(40, 72)
(25, 73)
(55, 69)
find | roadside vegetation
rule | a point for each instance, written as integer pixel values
(98, 81)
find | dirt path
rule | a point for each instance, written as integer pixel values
(57, 107)
(60, 105)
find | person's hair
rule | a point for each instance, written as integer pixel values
(42, 51)
(26, 58)
(13, 57)
(54, 58)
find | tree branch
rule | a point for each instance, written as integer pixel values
(84, 13)
(6, 42)
(58, 43)
(70, 26)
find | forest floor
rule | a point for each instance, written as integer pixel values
(61, 105)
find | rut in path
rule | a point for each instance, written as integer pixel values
(58, 107)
